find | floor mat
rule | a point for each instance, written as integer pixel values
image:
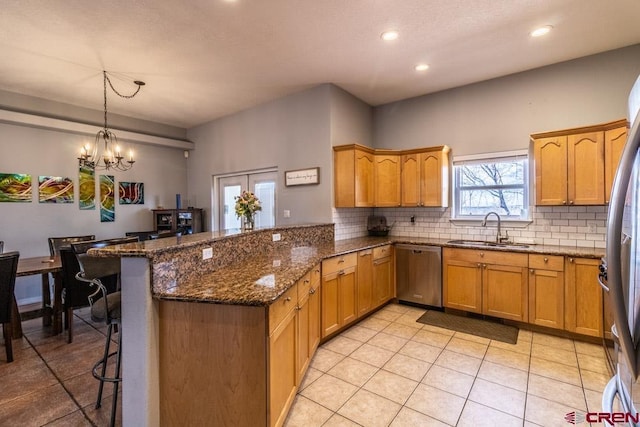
(481, 328)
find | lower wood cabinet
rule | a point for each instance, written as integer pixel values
(583, 297)
(283, 374)
(339, 292)
(383, 275)
(487, 282)
(546, 290)
(365, 281)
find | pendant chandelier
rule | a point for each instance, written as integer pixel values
(111, 156)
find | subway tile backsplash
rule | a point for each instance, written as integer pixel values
(580, 226)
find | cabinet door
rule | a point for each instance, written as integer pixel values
(364, 179)
(303, 349)
(462, 285)
(546, 298)
(505, 292)
(410, 180)
(550, 157)
(387, 180)
(431, 176)
(585, 168)
(347, 296)
(330, 313)
(365, 281)
(614, 140)
(382, 281)
(282, 369)
(314, 317)
(164, 220)
(583, 297)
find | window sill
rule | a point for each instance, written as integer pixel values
(513, 223)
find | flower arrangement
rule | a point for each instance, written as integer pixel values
(247, 204)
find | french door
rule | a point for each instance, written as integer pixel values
(262, 184)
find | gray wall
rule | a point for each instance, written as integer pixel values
(500, 114)
(26, 226)
(290, 133)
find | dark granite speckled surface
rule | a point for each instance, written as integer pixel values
(249, 269)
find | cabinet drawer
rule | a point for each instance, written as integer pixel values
(279, 309)
(338, 263)
(304, 285)
(546, 262)
(381, 251)
(487, 257)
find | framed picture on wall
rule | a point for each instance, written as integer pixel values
(309, 176)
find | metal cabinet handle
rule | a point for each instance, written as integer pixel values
(306, 281)
(532, 271)
(570, 259)
(341, 273)
(481, 254)
(570, 202)
(478, 265)
(546, 259)
(287, 299)
(484, 266)
(312, 291)
(564, 202)
(341, 260)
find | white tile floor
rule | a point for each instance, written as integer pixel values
(389, 370)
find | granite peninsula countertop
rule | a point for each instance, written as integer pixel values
(261, 279)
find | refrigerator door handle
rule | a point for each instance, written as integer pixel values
(609, 394)
(613, 244)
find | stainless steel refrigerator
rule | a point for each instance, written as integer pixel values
(621, 268)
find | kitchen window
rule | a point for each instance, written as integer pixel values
(498, 182)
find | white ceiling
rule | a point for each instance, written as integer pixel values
(203, 59)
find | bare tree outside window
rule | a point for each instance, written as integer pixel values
(498, 185)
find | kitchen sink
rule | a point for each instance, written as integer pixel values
(485, 244)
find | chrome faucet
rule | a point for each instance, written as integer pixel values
(499, 237)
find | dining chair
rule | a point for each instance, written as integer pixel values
(143, 235)
(8, 269)
(105, 308)
(55, 243)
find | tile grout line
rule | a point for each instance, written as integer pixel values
(60, 381)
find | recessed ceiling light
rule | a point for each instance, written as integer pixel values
(422, 67)
(541, 31)
(389, 35)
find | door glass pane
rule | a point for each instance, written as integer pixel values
(266, 193)
(229, 219)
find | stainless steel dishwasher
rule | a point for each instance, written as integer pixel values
(419, 274)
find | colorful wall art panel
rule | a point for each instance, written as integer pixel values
(107, 199)
(15, 187)
(131, 193)
(55, 189)
(87, 193)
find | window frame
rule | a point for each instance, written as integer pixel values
(489, 158)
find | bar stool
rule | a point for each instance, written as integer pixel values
(105, 307)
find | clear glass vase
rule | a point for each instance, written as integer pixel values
(249, 222)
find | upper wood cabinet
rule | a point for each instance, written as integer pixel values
(425, 178)
(364, 177)
(614, 140)
(571, 165)
(353, 170)
(387, 180)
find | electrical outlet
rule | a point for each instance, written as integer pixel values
(276, 263)
(287, 213)
(207, 253)
(276, 237)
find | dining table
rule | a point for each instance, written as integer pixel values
(51, 312)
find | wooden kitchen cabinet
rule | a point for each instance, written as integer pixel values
(315, 292)
(365, 177)
(614, 140)
(425, 177)
(282, 368)
(487, 282)
(353, 168)
(339, 292)
(576, 166)
(462, 280)
(365, 282)
(189, 221)
(583, 297)
(546, 290)
(386, 179)
(383, 277)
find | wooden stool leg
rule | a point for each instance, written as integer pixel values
(6, 331)
(47, 310)
(69, 319)
(16, 322)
